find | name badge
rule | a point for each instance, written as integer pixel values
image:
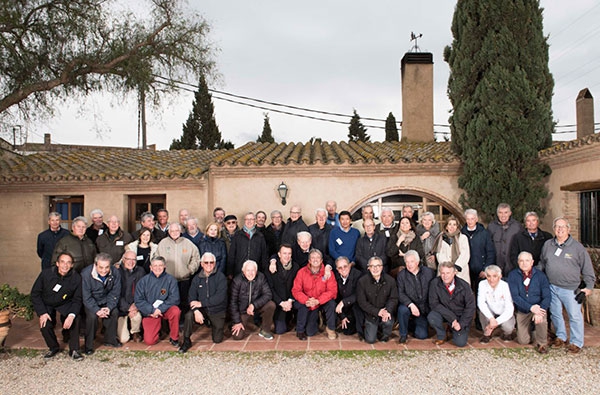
(119, 242)
(157, 303)
(339, 241)
(57, 288)
(527, 281)
(558, 252)
(140, 257)
(387, 233)
(100, 232)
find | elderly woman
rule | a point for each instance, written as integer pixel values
(428, 230)
(405, 239)
(213, 244)
(144, 249)
(453, 246)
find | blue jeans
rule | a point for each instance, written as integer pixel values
(566, 297)
(404, 316)
(308, 320)
(437, 322)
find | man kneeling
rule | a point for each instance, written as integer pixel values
(208, 301)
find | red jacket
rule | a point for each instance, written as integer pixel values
(308, 285)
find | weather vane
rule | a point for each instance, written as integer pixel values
(414, 37)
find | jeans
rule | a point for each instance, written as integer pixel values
(566, 297)
(308, 319)
(437, 322)
(420, 322)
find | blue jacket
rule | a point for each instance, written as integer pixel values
(217, 247)
(46, 242)
(98, 294)
(151, 288)
(343, 243)
(482, 249)
(538, 292)
(211, 291)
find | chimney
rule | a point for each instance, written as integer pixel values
(417, 97)
(585, 113)
(47, 140)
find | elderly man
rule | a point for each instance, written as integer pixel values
(101, 290)
(313, 292)
(387, 227)
(229, 229)
(502, 230)
(281, 280)
(113, 240)
(320, 231)
(481, 247)
(413, 292)
(58, 289)
(251, 295)
(408, 212)
(182, 260)
(530, 291)
(161, 229)
(273, 232)
(97, 227)
(294, 225)
(219, 215)
(301, 248)
(531, 239)
(332, 215)
(184, 214)
(450, 300)
(77, 243)
(46, 241)
(146, 221)
(566, 261)
(351, 317)
(369, 245)
(366, 213)
(157, 297)
(343, 238)
(377, 296)
(247, 244)
(208, 302)
(192, 233)
(130, 318)
(495, 305)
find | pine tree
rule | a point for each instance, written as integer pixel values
(391, 130)
(356, 130)
(200, 131)
(267, 134)
(501, 88)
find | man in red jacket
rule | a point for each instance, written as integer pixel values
(314, 291)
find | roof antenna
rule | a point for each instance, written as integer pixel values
(414, 37)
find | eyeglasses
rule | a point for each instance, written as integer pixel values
(375, 265)
(129, 259)
(209, 262)
(294, 212)
(230, 222)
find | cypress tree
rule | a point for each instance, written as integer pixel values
(267, 133)
(500, 88)
(356, 130)
(391, 130)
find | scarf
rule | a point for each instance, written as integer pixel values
(452, 240)
(409, 237)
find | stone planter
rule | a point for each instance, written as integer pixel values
(4, 326)
(592, 314)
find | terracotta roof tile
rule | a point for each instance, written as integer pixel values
(102, 165)
(563, 146)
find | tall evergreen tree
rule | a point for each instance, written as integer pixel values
(391, 130)
(267, 133)
(501, 88)
(356, 130)
(200, 131)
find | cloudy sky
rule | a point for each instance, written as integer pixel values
(332, 56)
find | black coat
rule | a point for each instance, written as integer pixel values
(211, 291)
(291, 230)
(459, 306)
(244, 292)
(273, 238)
(347, 292)
(281, 283)
(129, 280)
(523, 242)
(415, 289)
(367, 248)
(46, 298)
(244, 248)
(46, 242)
(320, 238)
(372, 296)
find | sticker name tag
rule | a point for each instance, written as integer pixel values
(157, 303)
(57, 288)
(339, 241)
(527, 281)
(119, 242)
(558, 252)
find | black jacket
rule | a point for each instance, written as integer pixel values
(347, 292)
(523, 242)
(459, 306)
(129, 280)
(273, 238)
(291, 230)
(216, 247)
(115, 245)
(372, 296)
(415, 289)
(51, 292)
(395, 260)
(244, 292)
(244, 248)
(211, 291)
(367, 248)
(320, 238)
(282, 281)
(46, 242)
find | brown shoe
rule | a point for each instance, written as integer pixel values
(439, 342)
(573, 349)
(137, 338)
(331, 335)
(542, 349)
(558, 342)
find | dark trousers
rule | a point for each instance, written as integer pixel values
(308, 320)
(109, 324)
(50, 337)
(437, 322)
(372, 327)
(404, 323)
(265, 312)
(217, 323)
(356, 319)
(184, 290)
(281, 319)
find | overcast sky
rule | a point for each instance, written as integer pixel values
(332, 56)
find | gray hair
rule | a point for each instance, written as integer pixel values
(103, 256)
(412, 253)
(428, 214)
(303, 234)
(193, 219)
(384, 209)
(341, 258)
(208, 255)
(471, 211)
(315, 252)
(374, 258)
(249, 263)
(531, 214)
(96, 211)
(320, 210)
(160, 259)
(146, 215)
(525, 253)
(447, 264)
(558, 219)
(503, 205)
(365, 206)
(492, 269)
(54, 214)
(274, 212)
(80, 219)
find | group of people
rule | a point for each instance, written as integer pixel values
(338, 275)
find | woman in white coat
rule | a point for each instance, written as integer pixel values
(453, 246)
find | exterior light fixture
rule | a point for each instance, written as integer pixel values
(283, 191)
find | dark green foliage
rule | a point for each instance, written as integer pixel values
(356, 130)
(267, 133)
(391, 130)
(501, 91)
(16, 303)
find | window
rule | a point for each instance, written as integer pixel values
(139, 204)
(590, 218)
(69, 207)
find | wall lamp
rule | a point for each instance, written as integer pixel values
(283, 191)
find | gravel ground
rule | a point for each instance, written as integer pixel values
(511, 371)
